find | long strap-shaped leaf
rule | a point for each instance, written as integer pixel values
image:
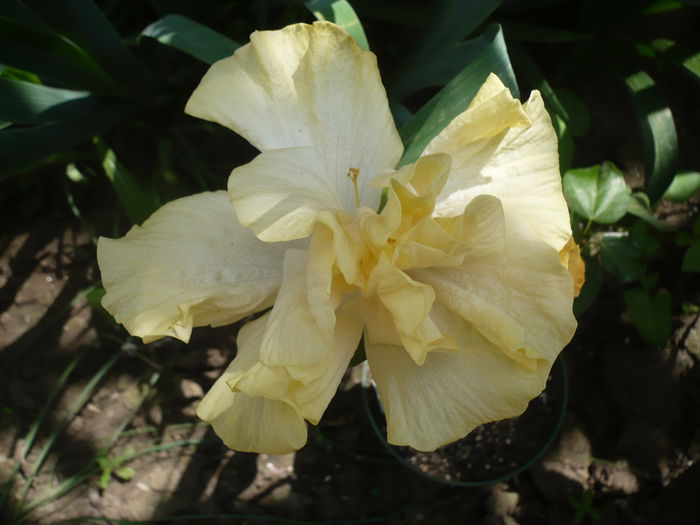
(341, 13)
(454, 98)
(27, 103)
(48, 56)
(84, 24)
(191, 37)
(22, 149)
(658, 133)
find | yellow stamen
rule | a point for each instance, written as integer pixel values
(353, 174)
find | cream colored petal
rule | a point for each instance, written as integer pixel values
(408, 304)
(518, 163)
(307, 85)
(307, 389)
(281, 192)
(519, 299)
(448, 396)
(293, 336)
(321, 381)
(251, 424)
(190, 264)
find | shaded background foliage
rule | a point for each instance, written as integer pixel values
(93, 139)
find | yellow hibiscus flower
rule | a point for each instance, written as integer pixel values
(460, 285)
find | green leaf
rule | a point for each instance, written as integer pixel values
(566, 142)
(524, 32)
(449, 22)
(640, 206)
(683, 186)
(598, 193)
(50, 57)
(438, 51)
(191, 37)
(651, 314)
(124, 473)
(341, 13)
(25, 148)
(454, 98)
(591, 287)
(439, 71)
(83, 23)
(660, 6)
(647, 243)
(535, 77)
(138, 204)
(622, 257)
(27, 103)
(691, 258)
(658, 133)
(579, 116)
(686, 59)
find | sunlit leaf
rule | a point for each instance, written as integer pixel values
(25, 148)
(191, 37)
(138, 204)
(83, 23)
(341, 13)
(651, 314)
(658, 133)
(598, 193)
(683, 186)
(27, 103)
(686, 59)
(454, 98)
(50, 57)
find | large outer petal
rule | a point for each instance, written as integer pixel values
(519, 299)
(306, 85)
(452, 392)
(496, 151)
(190, 264)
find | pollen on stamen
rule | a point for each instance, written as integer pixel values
(353, 174)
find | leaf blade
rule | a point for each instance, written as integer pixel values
(454, 98)
(191, 37)
(341, 13)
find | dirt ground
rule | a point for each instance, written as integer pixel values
(627, 454)
(119, 439)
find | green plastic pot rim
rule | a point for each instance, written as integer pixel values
(454, 483)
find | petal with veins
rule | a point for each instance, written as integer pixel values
(190, 264)
(520, 299)
(513, 157)
(307, 85)
(293, 336)
(247, 423)
(452, 392)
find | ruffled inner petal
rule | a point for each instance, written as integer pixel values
(502, 148)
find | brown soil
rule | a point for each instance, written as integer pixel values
(630, 436)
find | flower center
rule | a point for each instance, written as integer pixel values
(353, 174)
